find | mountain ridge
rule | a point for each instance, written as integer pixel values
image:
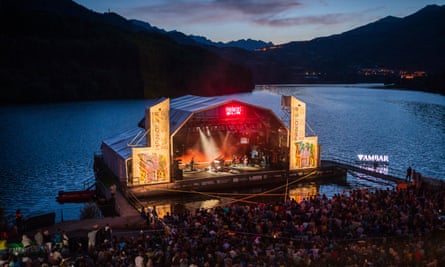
(385, 45)
(57, 50)
(182, 38)
(410, 44)
(64, 52)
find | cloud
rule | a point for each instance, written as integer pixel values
(258, 7)
(328, 19)
(212, 11)
(277, 13)
(224, 20)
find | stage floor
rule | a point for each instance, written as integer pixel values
(232, 170)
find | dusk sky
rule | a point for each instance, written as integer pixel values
(278, 21)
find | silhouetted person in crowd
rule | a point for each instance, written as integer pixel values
(143, 213)
(19, 222)
(408, 174)
(155, 214)
(108, 233)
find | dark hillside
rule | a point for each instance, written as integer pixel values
(56, 50)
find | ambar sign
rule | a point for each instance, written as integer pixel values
(374, 158)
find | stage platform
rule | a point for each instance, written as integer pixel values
(240, 177)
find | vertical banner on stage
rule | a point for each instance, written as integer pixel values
(303, 150)
(298, 119)
(152, 164)
(297, 128)
(159, 123)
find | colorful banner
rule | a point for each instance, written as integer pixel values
(159, 123)
(298, 119)
(303, 151)
(306, 153)
(151, 164)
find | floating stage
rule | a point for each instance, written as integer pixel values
(237, 181)
(194, 143)
(238, 178)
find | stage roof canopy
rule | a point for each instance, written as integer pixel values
(181, 109)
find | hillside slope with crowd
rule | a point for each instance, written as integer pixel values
(389, 227)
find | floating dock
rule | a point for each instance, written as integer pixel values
(218, 181)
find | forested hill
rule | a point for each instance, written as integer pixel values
(57, 50)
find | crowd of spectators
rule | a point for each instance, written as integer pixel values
(359, 228)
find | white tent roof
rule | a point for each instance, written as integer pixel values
(181, 109)
(120, 143)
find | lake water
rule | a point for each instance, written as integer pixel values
(50, 147)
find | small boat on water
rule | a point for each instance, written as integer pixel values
(76, 196)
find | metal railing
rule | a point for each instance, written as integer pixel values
(132, 199)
